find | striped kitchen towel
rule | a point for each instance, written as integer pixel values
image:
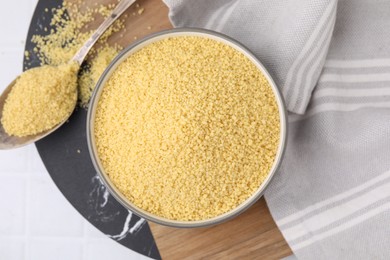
(331, 60)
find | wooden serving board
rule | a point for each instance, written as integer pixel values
(253, 234)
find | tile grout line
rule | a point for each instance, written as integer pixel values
(30, 169)
(27, 215)
(53, 237)
(84, 241)
(28, 205)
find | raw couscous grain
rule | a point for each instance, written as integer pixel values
(42, 98)
(89, 76)
(140, 11)
(68, 35)
(187, 128)
(56, 49)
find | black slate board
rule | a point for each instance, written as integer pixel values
(65, 155)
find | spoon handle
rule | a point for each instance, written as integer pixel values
(119, 9)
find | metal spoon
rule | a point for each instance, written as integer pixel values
(10, 142)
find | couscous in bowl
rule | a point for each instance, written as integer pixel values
(188, 141)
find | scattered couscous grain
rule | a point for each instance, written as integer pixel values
(90, 75)
(141, 10)
(67, 36)
(41, 99)
(187, 128)
(29, 108)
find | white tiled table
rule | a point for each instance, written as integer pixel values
(36, 221)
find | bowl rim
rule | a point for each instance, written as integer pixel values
(132, 48)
